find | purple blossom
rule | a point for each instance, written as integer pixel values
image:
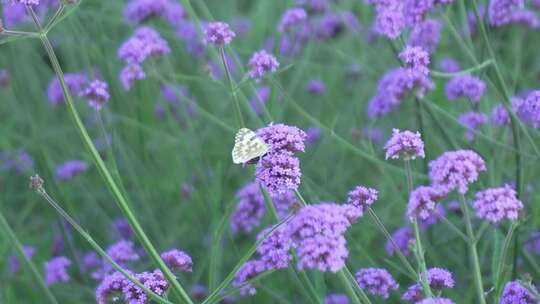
(313, 135)
(187, 32)
(314, 5)
(279, 172)
(178, 260)
(390, 22)
(439, 278)
(70, 169)
(435, 301)
(503, 12)
(130, 73)
(362, 198)
(449, 65)
(533, 242)
(110, 285)
(515, 293)
(329, 26)
(336, 298)
(5, 77)
(283, 138)
(27, 2)
(376, 281)
(97, 93)
(316, 87)
(116, 283)
(404, 144)
(122, 252)
(90, 260)
(416, 59)
(499, 114)
(426, 35)
(19, 161)
(13, 260)
(56, 270)
(14, 14)
(274, 249)
(456, 170)
(525, 17)
(241, 25)
(218, 33)
(416, 10)
(121, 225)
(402, 238)
(261, 63)
(433, 218)
(496, 204)
(250, 209)
(145, 42)
(291, 18)
(259, 99)
(466, 86)
(75, 82)
(529, 110)
(248, 271)
(413, 293)
(138, 11)
(472, 121)
(423, 202)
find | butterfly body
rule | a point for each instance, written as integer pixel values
(248, 147)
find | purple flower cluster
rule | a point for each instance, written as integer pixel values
(529, 109)
(456, 170)
(405, 144)
(416, 59)
(503, 12)
(115, 283)
(449, 65)
(435, 301)
(262, 63)
(97, 93)
(56, 270)
(144, 43)
(283, 138)
(177, 260)
(316, 87)
(121, 225)
(376, 281)
(439, 278)
(76, 82)
(292, 18)
(336, 298)
(70, 169)
(19, 161)
(466, 86)
(515, 293)
(472, 121)
(362, 198)
(497, 204)
(122, 253)
(423, 202)
(426, 35)
(247, 272)
(13, 261)
(500, 115)
(139, 11)
(402, 238)
(218, 33)
(274, 248)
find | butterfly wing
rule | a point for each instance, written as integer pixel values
(247, 146)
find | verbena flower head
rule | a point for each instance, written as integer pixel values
(472, 120)
(497, 204)
(56, 270)
(390, 21)
(262, 63)
(362, 197)
(426, 35)
(75, 82)
(499, 114)
(282, 137)
(90, 260)
(291, 18)
(439, 278)
(529, 110)
(435, 301)
(402, 238)
(336, 298)
(416, 59)
(138, 11)
(376, 281)
(405, 144)
(313, 135)
(248, 271)
(121, 225)
(218, 33)
(274, 249)
(13, 260)
(145, 42)
(97, 93)
(70, 169)
(250, 209)
(279, 172)
(433, 218)
(449, 65)
(456, 170)
(177, 260)
(116, 283)
(316, 87)
(514, 293)
(423, 202)
(317, 234)
(466, 86)
(504, 12)
(415, 10)
(414, 293)
(130, 73)
(525, 17)
(122, 252)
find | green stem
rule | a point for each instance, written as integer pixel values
(420, 120)
(418, 243)
(41, 191)
(504, 255)
(106, 175)
(4, 227)
(474, 253)
(238, 111)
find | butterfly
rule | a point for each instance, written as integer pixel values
(248, 147)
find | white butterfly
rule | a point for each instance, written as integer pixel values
(247, 146)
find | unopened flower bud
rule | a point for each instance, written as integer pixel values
(36, 182)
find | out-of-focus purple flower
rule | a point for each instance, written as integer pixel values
(317, 234)
(291, 18)
(70, 169)
(274, 249)
(533, 242)
(416, 59)
(415, 10)
(313, 135)
(413, 293)
(145, 42)
(376, 281)
(199, 292)
(241, 25)
(529, 110)
(19, 161)
(316, 87)
(336, 298)
(122, 252)
(499, 114)
(75, 82)
(314, 5)
(26, 2)
(138, 11)
(456, 170)
(472, 121)
(466, 86)
(426, 35)
(262, 63)
(97, 93)
(121, 225)
(373, 134)
(434, 218)
(402, 238)
(187, 31)
(362, 198)
(13, 260)
(58, 244)
(449, 65)
(279, 172)
(90, 260)
(130, 73)
(5, 78)
(525, 17)
(514, 293)
(328, 26)
(56, 270)
(390, 21)
(248, 271)
(497, 204)
(435, 301)
(405, 144)
(283, 138)
(174, 13)
(504, 12)
(178, 260)
(259, 99)
(110, 286)
(439, 278)
(423, 202)
(218, 33)
(13, 14)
